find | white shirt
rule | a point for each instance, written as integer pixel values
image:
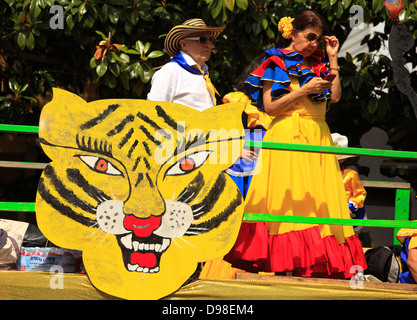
(173, 83)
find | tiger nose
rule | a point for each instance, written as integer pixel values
(144, 201)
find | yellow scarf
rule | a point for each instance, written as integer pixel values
(209, 84)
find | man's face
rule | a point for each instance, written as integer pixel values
(199, 52)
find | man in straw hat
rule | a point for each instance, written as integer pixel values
(355, 192)
(185, 78)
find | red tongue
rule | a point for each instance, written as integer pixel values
(145, 260)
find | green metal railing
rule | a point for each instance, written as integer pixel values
(19, 128)
(402, 205)
(402, 196)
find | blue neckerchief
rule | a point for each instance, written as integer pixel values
(179, 58)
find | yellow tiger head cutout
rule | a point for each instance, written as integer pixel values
(139, 187)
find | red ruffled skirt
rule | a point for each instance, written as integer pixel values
(303, 252)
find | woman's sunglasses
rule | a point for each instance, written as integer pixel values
(313, 37)
(203, 40)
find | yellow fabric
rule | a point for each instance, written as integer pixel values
(219, 269)
(299, 183)
(209, 84)
(18, 285)
(272, 290)
(256, 117)
(413, 243)
(355, 191)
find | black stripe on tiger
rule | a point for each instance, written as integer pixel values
(65, 193)
(206, 226)
(168, 120)
(60, 207)
(76, 177)
(93, 122)
(153, 124)
(149, 136)
(126, 138)
(121, 125)
(207, 204)
(132, 148)
(192, 190)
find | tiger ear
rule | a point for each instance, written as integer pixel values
(227, 116)
(60, 116)
(225, 129)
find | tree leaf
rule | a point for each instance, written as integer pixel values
(242, 4)
(13, 85)
(93, 62)
(115, 69)
(139, 46)
(372, 106)
(155, 54)
(82, 10)
(139, 70)
(217, 9)
(147, 73)
(103, 36)
(30, 41)
(21, 40)
(101, 69)
(146, 48)
(230, 4)
(124, 77)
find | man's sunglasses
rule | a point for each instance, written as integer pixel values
(203, 40)
(313, 37)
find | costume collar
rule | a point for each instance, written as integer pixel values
(187, 62)
(293, 60)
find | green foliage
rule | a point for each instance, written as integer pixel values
(114, 47)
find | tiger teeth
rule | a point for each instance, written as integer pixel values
(127, 241)
(140, 246)
(137, 268)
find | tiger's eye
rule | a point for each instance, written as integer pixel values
(187, 164)
(101, 165)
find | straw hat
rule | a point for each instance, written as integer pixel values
(172, 41)
(341, 141)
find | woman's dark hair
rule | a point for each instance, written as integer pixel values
(305, 19)
(255, 63)
(308, 18)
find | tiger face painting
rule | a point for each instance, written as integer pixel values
(139, 187)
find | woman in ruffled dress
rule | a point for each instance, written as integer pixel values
(290, 86)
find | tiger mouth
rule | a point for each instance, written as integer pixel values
(142, 254)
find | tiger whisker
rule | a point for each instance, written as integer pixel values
(198, 228)
(196, 200)
(101, 198)
(104, 239)
(198, 214)
(199, 208)
(95, 233)
(185, 201)
(187, 242)
(174, 240)
(94, 225)
(182, 194)
(192, 233)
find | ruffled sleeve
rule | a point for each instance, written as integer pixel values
(255, 117)
(405, 234)
(277, 66)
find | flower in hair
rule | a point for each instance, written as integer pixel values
(285, 27)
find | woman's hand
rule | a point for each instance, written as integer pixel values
(248, 155)
(332, 46)
(317, 85)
